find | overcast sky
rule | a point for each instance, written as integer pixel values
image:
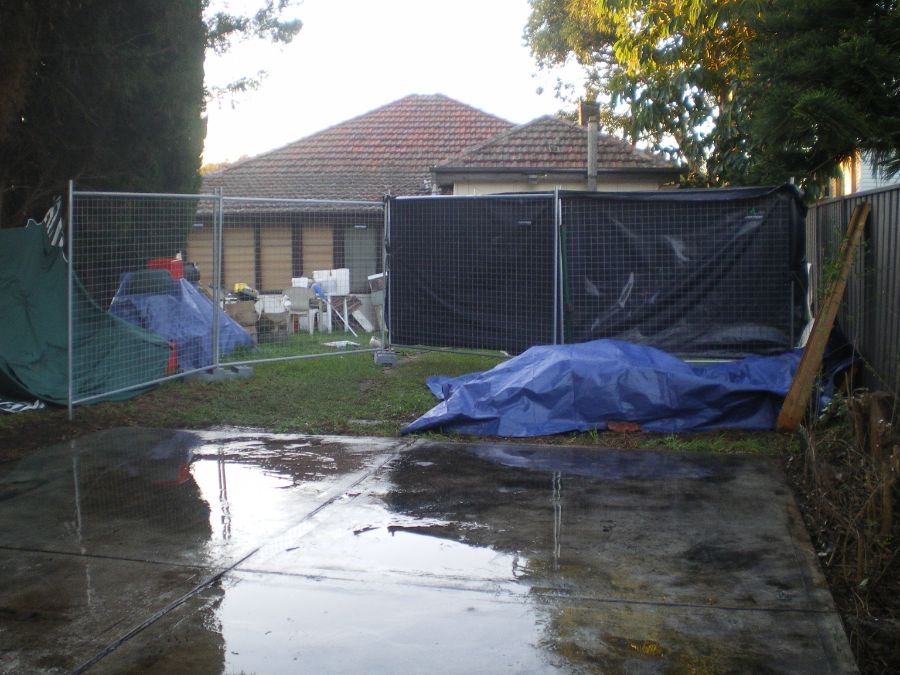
(353, 56)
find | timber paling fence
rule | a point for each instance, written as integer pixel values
(155, 281)
(870, 312)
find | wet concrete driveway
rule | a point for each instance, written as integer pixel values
(225, 552)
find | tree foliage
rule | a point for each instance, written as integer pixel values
(109, 93)
(738, 90)
(825, 84)
(676, 65)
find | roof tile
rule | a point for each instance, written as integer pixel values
(553, 143)
(388, 150)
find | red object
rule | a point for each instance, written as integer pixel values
(173, 266)
(622, 427)
(172, 364)
(184, 475)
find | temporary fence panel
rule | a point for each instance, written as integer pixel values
(472, 272)
(702, 273)
(126, 270)
(195, 281)
(870, 312)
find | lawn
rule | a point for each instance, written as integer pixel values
(339, 394)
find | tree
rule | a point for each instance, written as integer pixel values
(109, 93)
(738, 90)
(825, 84)
(675, 65)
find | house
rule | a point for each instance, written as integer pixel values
(418, 145)
(859, 174)
(386, 151)
(550, 152)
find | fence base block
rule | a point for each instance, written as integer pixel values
(222, 374)
(386, 357)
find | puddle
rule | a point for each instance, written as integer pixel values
(269, 625)
(197, 498)
(281, 553)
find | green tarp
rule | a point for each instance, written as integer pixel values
(109, 354)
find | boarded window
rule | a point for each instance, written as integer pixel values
(275, 257)
(240, 257)
(200, 252)
(318, 248)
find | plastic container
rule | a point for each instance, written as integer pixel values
(173, 266)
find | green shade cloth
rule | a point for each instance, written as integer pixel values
(109, 354)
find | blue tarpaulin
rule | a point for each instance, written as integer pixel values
(559, 388)
(177, 310)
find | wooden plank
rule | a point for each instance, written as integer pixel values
(797, 399)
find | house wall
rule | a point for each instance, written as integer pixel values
(266, 255)
(239, 249)
(239, 256)
(200, 251)
(868, 181)
(604, 184)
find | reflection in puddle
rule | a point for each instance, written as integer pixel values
(360, 538)
(274, 624)
(244, 502)
(313, 556)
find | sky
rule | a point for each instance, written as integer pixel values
(353, 56)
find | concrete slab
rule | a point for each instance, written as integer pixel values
(137, 550)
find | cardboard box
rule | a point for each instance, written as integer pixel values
(270, 303)
(333, 282)
(244, 312)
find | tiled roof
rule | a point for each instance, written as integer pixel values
(388, 150)
(552, 143)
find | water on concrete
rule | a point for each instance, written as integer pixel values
(138, 550)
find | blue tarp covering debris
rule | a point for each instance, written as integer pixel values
(178, 311)
(555, 389)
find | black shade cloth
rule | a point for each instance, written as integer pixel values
(471, 272)
(702, 273)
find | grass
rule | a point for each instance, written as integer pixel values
(340, 394)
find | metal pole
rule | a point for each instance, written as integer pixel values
(557, 222)
(69, 296)
(218, 232)
(385, 243)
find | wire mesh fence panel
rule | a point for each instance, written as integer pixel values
(131, 292)
(472, 272)
(165, 285)
(696, 273)
(295, 275)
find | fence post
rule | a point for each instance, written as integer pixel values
(385, 263)
(557, 303)
(70, 310)
(218, 236)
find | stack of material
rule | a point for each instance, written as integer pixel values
(356, 311)
(244, 313)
